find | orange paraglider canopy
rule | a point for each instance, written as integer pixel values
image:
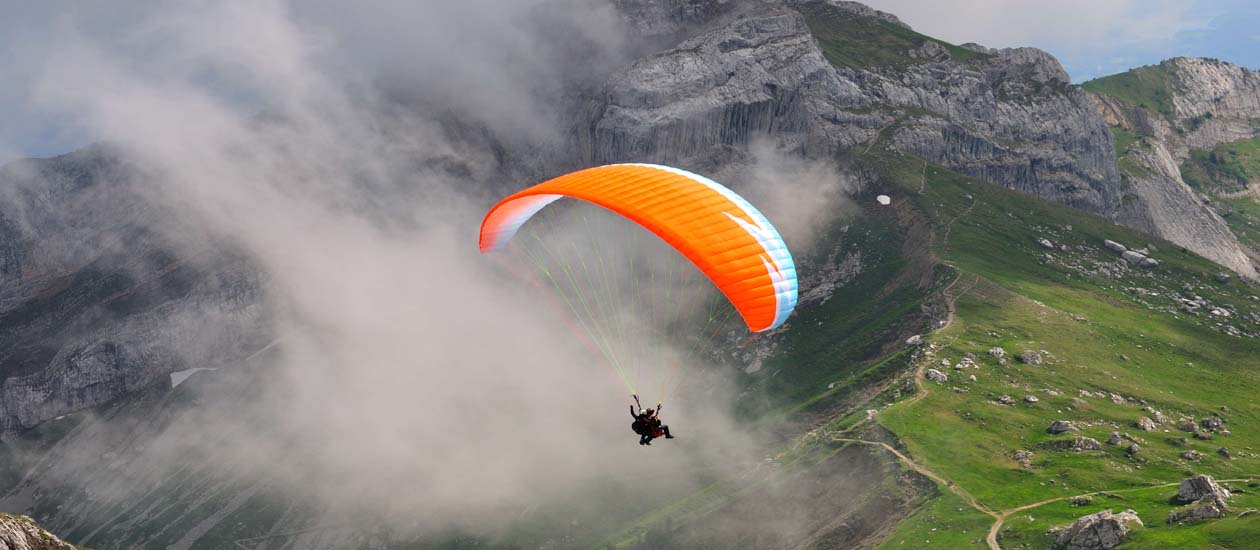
(731, 242)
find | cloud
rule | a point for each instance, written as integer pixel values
(414, 379)
(1079, 32)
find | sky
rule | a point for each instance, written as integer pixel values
(1090, 37)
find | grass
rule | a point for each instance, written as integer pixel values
(1031, 529)
(859, 43)
(1101, 335)
(945, 521)
(1147, 87)
(1230, 166)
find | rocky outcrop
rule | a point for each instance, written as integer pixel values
(1100, 531)
(22, 533)
(1194, 488)
(1206, 508)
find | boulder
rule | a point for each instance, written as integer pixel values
(1214, 423)
(997, 352)
(1132, 257)
(1194, 488)
(1045, 243)
(1205, 508)
(1114, 439)
(1060, 426)
(1224, 451)
(1146, 424)
(1024, 458)
(1078, 444)
(937, 376)
(1115, 246)
(1221, 277)
(914, 340)
(1030, 358)
(1101, 531)
(1192, 455)
(1031, 399)
(1133, 449)
(1006, 400)
(1083, 500)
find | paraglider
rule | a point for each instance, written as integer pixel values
(719, 232)
(647, 423)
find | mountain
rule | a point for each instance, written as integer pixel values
(1007, 183)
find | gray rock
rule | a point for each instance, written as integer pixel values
(1224, 452)
(1192, 455)
(1197, 487)
(1031, 399)
(1060, 426)
(1221, 277)
(1083, 500)
(1115, 246)
(1146, 424)
(1205, 508)
(1133, 449)
(1115, 439)
(1030, 358)
(1024, 458)
(914, 340)
(1100, 531)
(1077, 444)
(997, 352)
(1046, 244)
(937, 376)
(1006, 400)
(22, 533)
(1214, 423)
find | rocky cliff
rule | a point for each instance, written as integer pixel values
(94, 303)
(1173, 108)
(828, 78)
(22, 533)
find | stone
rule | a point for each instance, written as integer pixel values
(1099, 531)
(914, 340)
(1224, 451)
(1133, 449)
(1192, 455)
(1205, 508)
(1077, 444)
(22, 533)
(1031, 399)
(1146, 424)
(997, 352)
(1115, 246)
(1045, 243)
(1030, 358)
(1221, 277)
(1214, 423)
(1006, 400)
(1060, 426)
(1083, 500)
(1024, 458)
(1115, 439)
(937, 376)
(1197, 487)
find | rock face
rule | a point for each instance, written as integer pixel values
(1194, 488)
(22, 533)
(1100, 531)
(84, 321)
(1205, 103)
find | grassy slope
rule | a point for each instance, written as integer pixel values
(861, 42)
(1088, 324)
(1147, 87)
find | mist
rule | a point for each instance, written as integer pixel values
(413, 380)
